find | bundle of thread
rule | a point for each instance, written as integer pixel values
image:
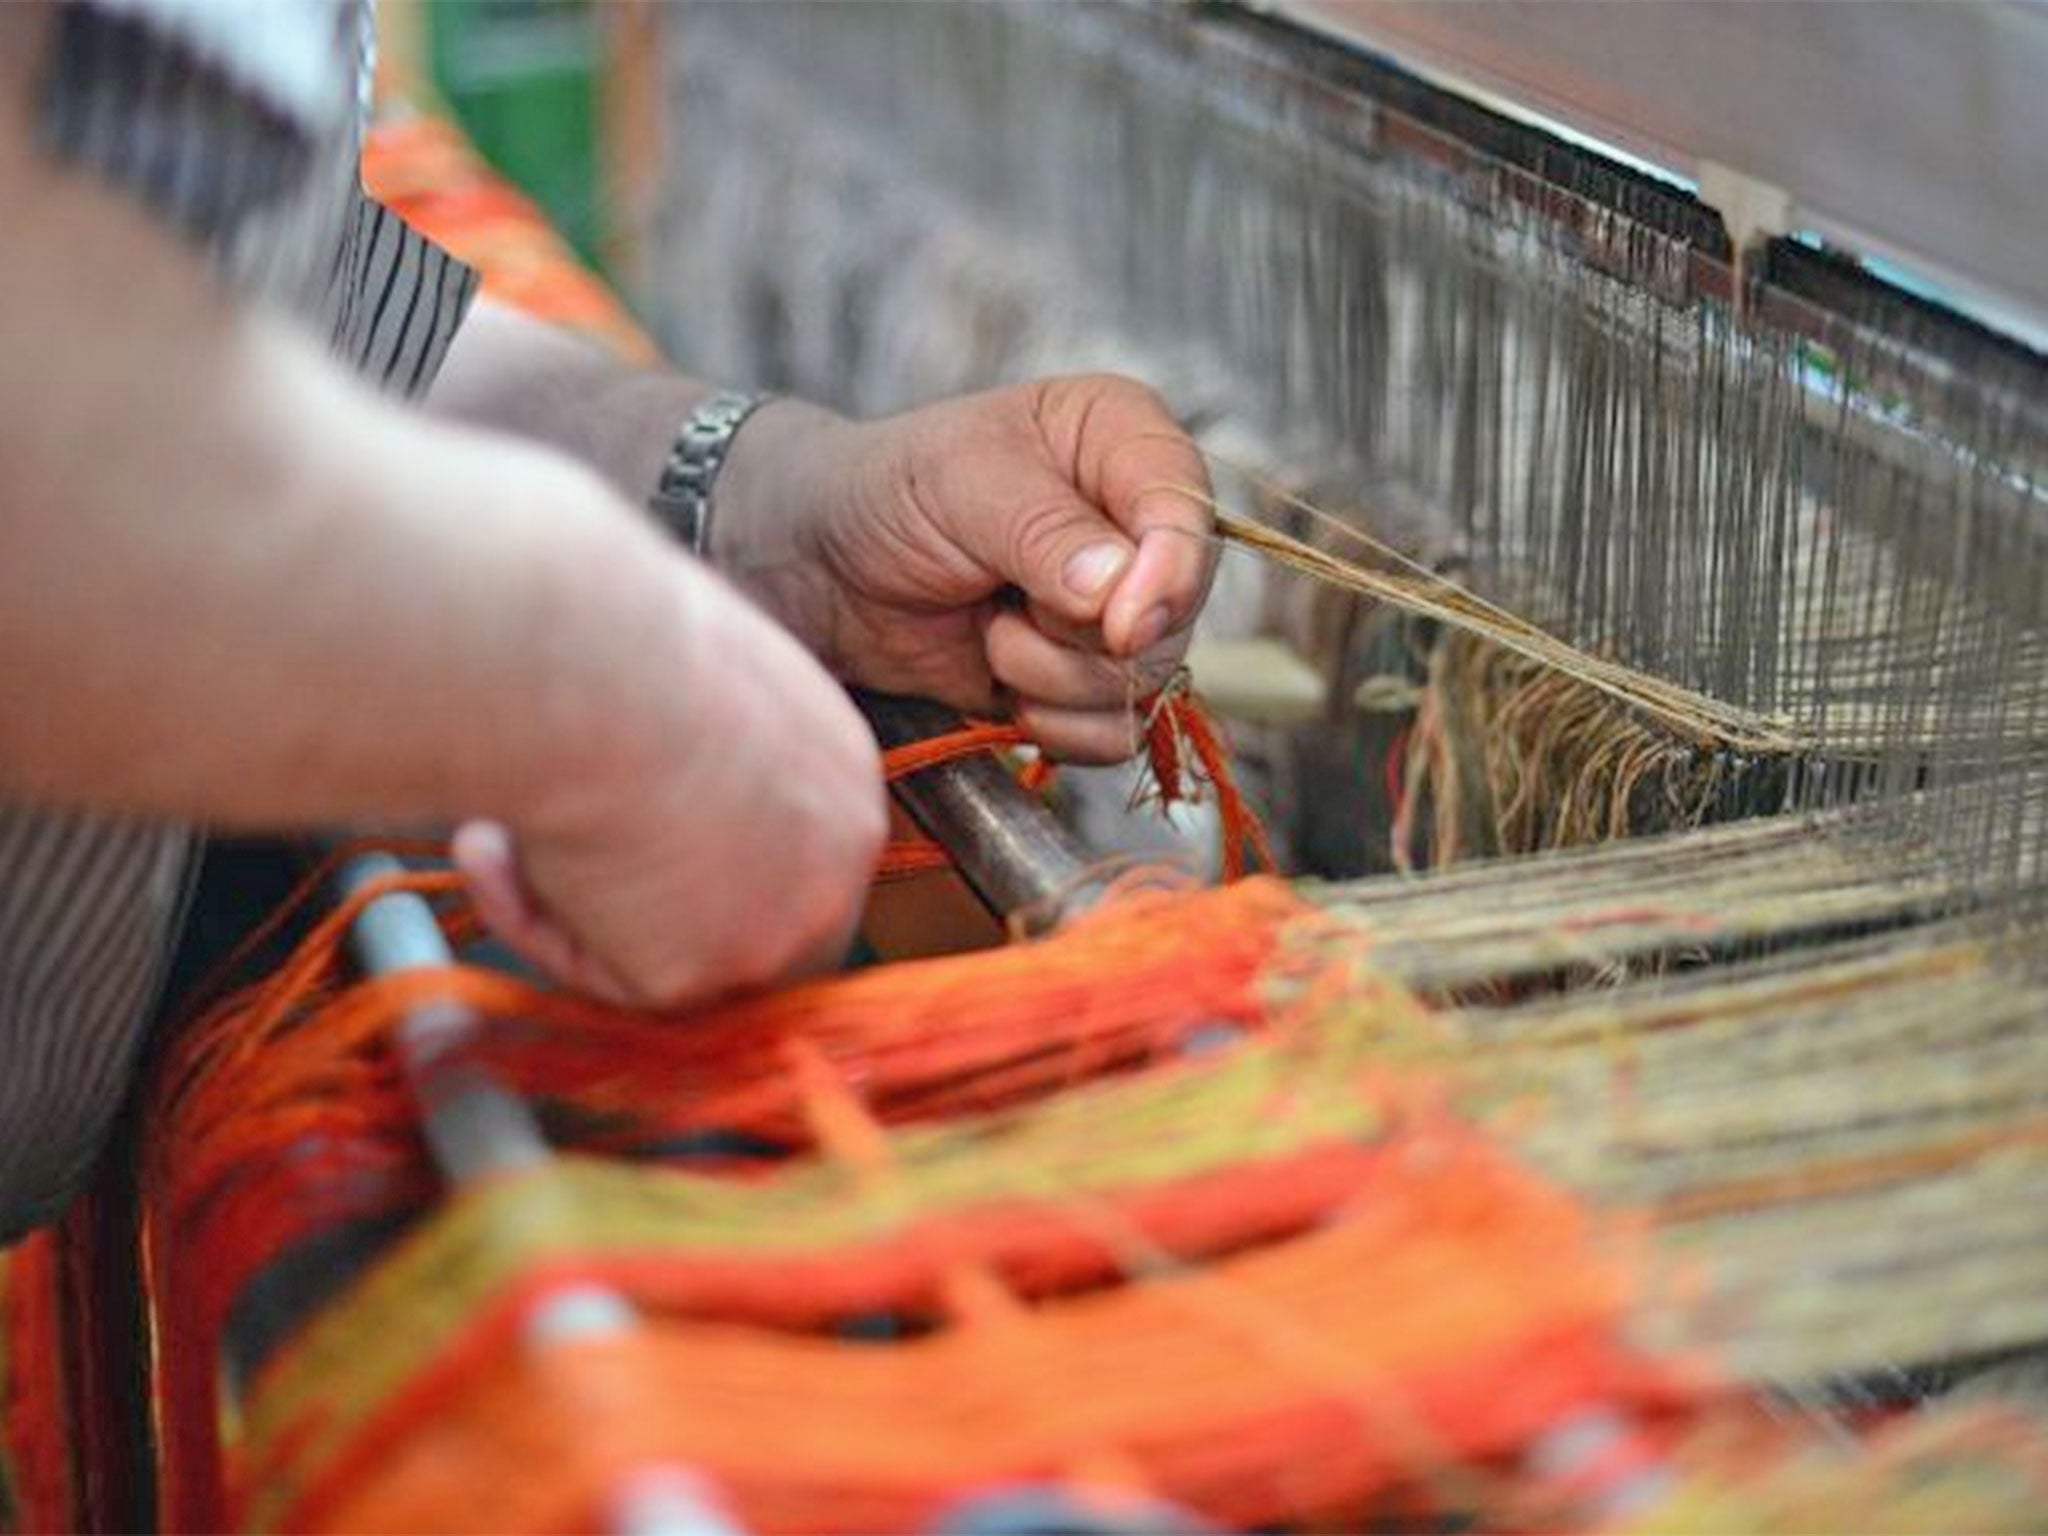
(896, 1239)
(1210, 1202)
(1252, 1206)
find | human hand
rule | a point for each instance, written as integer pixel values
(1023, 552)
(732, 847)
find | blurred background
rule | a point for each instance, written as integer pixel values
(559, 96)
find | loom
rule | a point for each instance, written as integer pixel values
(1660, 1156)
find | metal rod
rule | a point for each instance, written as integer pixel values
(476, 1127)
(1015, 854)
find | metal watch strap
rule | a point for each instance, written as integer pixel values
(682, 500)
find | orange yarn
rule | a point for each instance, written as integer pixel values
(425, 171)
(1446, 1318)
(35, 1438)
(284, 1113)
(1375, 1302)
(1186, 751)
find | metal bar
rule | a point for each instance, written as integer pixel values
(477, 1127)
(1794, 95)
(474, 1126)
(1015, 854)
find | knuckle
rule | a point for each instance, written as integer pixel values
(1138, 394)
(1067, 392)
(1104, 381)
(1039, 535)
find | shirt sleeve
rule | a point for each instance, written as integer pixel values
(205, 110)
(395, 300)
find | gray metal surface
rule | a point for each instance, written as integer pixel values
(1910, 131)
(1013, 852)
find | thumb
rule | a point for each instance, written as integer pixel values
(484, 854)
(1066, 555)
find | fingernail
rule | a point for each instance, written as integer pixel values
(1151, 629)
(1090, 570)
(487, 843)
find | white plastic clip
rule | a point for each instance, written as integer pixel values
(1754, 211)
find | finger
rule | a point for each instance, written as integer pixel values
(1160, 594)
(1133, 461)
(1082, 637)
(1155, 662)
(1082, 735)
(1057, 547)
(485, 856)
(1159, 657)
(1039, 669)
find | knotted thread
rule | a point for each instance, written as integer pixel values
(1187, 760)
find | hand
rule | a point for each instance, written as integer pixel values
(1024, 552)
(734, 851)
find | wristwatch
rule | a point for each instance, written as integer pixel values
(682, 499)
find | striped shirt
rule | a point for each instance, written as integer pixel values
(238, 124)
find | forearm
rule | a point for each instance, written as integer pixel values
(512, 373)
(508, 372)
(235, 587)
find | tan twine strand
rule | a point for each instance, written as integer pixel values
(1415, 589)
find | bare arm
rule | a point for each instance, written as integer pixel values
(177, 477)
(236, 587)
(892, 548)
(508, 371)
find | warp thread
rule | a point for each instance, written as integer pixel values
(1828, 518)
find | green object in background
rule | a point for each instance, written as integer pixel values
(521, 76)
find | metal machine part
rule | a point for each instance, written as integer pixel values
(476, 1127)
(1906, 132)
(1015, 854)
